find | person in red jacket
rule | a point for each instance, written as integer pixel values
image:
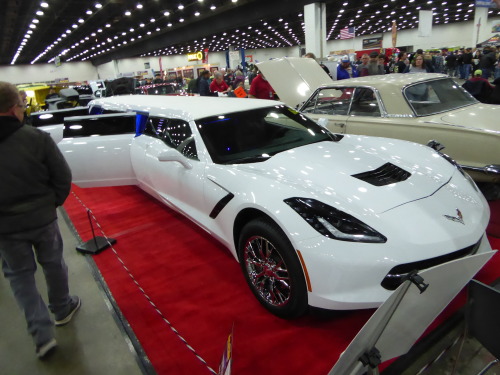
(218, 84)
(261, 88)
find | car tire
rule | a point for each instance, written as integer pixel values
(272, 269)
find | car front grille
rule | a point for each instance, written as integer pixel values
(384, 175)
(397, 275)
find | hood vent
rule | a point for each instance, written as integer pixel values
(384, 175)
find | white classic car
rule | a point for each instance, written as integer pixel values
(314, 218)
(414, 107)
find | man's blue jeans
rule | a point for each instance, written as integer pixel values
(465, 71)
(18, 251)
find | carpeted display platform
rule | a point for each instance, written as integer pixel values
(166, 272)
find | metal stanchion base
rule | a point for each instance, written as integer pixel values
(95, 245)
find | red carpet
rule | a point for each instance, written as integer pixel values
(494, 224)
(199, 288)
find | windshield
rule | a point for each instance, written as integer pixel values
(437, 96)
(258, 134)
(161, 90)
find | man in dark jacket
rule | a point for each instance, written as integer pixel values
(487, 62)
(35, 180)
(204, 84)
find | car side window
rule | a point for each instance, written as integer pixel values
(174, 133)
(330, 101)
(364, 103)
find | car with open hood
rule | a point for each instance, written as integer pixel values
(414, 107)
(314, 218)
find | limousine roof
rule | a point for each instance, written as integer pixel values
(187, 107)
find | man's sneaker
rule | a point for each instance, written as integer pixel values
(74, 306)
(43, 351)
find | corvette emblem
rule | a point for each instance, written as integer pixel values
(458, 219)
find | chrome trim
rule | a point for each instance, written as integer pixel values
(457, 219)
(492, 169)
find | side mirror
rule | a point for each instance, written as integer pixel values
(174, 155)
(435, 145)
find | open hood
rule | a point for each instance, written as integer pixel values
(294, 79)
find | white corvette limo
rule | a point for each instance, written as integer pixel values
(314, 218)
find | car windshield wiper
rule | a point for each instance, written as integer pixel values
(249, 159)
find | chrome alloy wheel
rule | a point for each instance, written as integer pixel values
(267, 271)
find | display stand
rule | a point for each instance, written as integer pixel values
(481, 317)
(398, 323)
(97, 243)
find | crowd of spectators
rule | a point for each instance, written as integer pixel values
(460, 63)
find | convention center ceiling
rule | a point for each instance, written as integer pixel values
(102, 30)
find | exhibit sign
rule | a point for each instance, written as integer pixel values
(195, 56)
(401, 320)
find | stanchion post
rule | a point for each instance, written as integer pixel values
(97, 243)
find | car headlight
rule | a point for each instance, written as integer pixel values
(334, 223)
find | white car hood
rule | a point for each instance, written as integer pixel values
(324, 171)
(478, 116)
(294, 79)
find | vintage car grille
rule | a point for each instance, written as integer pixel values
(396, 275)
(384, 175)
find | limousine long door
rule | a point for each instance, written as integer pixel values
(173, 169)
(97, 149)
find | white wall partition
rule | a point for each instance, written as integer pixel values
(74, 72)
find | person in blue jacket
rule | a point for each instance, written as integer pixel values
(346, 70)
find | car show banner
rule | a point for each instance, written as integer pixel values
(424, 23)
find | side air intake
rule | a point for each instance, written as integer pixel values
(385, 175)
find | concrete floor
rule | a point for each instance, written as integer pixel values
(92, 343)
(98, 340)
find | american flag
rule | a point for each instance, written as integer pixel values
(347, 33)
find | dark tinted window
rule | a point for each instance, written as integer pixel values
(56, 117)
(161, 90)
(99, 125)
(174, 133)
(256, 135)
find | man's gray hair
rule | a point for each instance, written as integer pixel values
(9, 96)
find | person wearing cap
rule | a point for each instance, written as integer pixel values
(478, 76)
(373, 67)
(345, 69)
(479, 87)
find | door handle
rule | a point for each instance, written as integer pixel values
(340, 124)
